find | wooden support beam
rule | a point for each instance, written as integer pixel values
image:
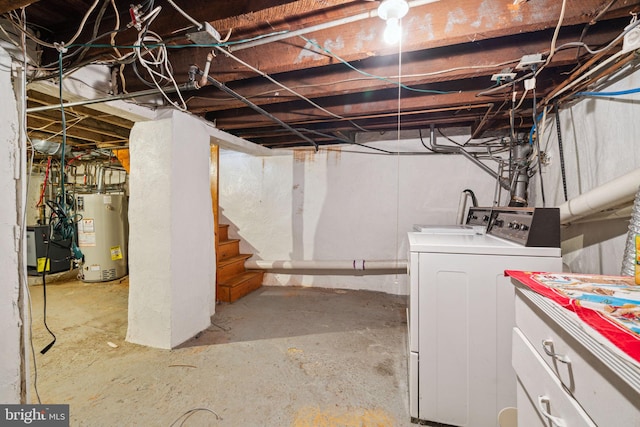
(52, 127)
(463, 61)
(40, 98)
(86, 123)
(430, 26)
(9, 5)
(71, 141)
(214, 175)
(355, 108)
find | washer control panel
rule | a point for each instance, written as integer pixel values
(536, 227)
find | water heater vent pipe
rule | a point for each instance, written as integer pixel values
(100, 179)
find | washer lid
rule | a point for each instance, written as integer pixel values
(480, 244)
(448, 229)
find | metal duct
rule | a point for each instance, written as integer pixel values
(629, 257)
(520, 194)
(100, 179)
(46, 147)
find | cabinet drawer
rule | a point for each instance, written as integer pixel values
(542, 401)
(590, 381)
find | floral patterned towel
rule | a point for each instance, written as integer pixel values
(609, 304)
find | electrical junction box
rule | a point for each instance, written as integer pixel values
(503, 77)
(530, 61)
(205, 36)
(631, 40)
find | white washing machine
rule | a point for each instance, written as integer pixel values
(449, 229)
(461, 313)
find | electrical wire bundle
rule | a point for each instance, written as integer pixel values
(63, 226)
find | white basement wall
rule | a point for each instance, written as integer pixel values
(11, 177)
(171, 240)
(600, 140)
(340, 205)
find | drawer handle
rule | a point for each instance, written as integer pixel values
(543, 404)
(547, 346)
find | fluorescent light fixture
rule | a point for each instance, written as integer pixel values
(392, 11)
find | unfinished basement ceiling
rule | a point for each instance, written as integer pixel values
(335, 75)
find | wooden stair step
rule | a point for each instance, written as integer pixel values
(228, 249)
(223, 232)
(239, 286)
(234, 259)
(232, 266)
(241, 278)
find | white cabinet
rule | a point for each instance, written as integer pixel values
(568, 374)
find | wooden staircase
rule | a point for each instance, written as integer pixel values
(232, 279)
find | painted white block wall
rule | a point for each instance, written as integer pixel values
(600, 140)
(338, 205)
(171, 240)
(11, 174)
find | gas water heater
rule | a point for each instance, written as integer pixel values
(102, 236)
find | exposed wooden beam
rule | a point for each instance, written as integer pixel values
(86, 123)
(357, 111)
(278, 16)
(464, 61)
(44, 99)
(9, 5)
(429, 26)
(72, 142)
(223, 15)
(52, 127)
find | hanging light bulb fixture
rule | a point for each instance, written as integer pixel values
(392, 11)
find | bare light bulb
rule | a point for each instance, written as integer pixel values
(392, 11)
(393, 31)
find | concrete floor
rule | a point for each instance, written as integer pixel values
(278, 357)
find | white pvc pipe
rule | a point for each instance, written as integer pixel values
(325, 25)
(610, 195)
(617, 213)
(355, 264)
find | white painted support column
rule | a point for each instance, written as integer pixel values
(12, 183)
(171, 240)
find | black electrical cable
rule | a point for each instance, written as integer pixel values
(535, 124)
(593, 22)
(44, 292)
(512, 141)
(561, 151)
(474, 200)
(451, 140)
(258, 109)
